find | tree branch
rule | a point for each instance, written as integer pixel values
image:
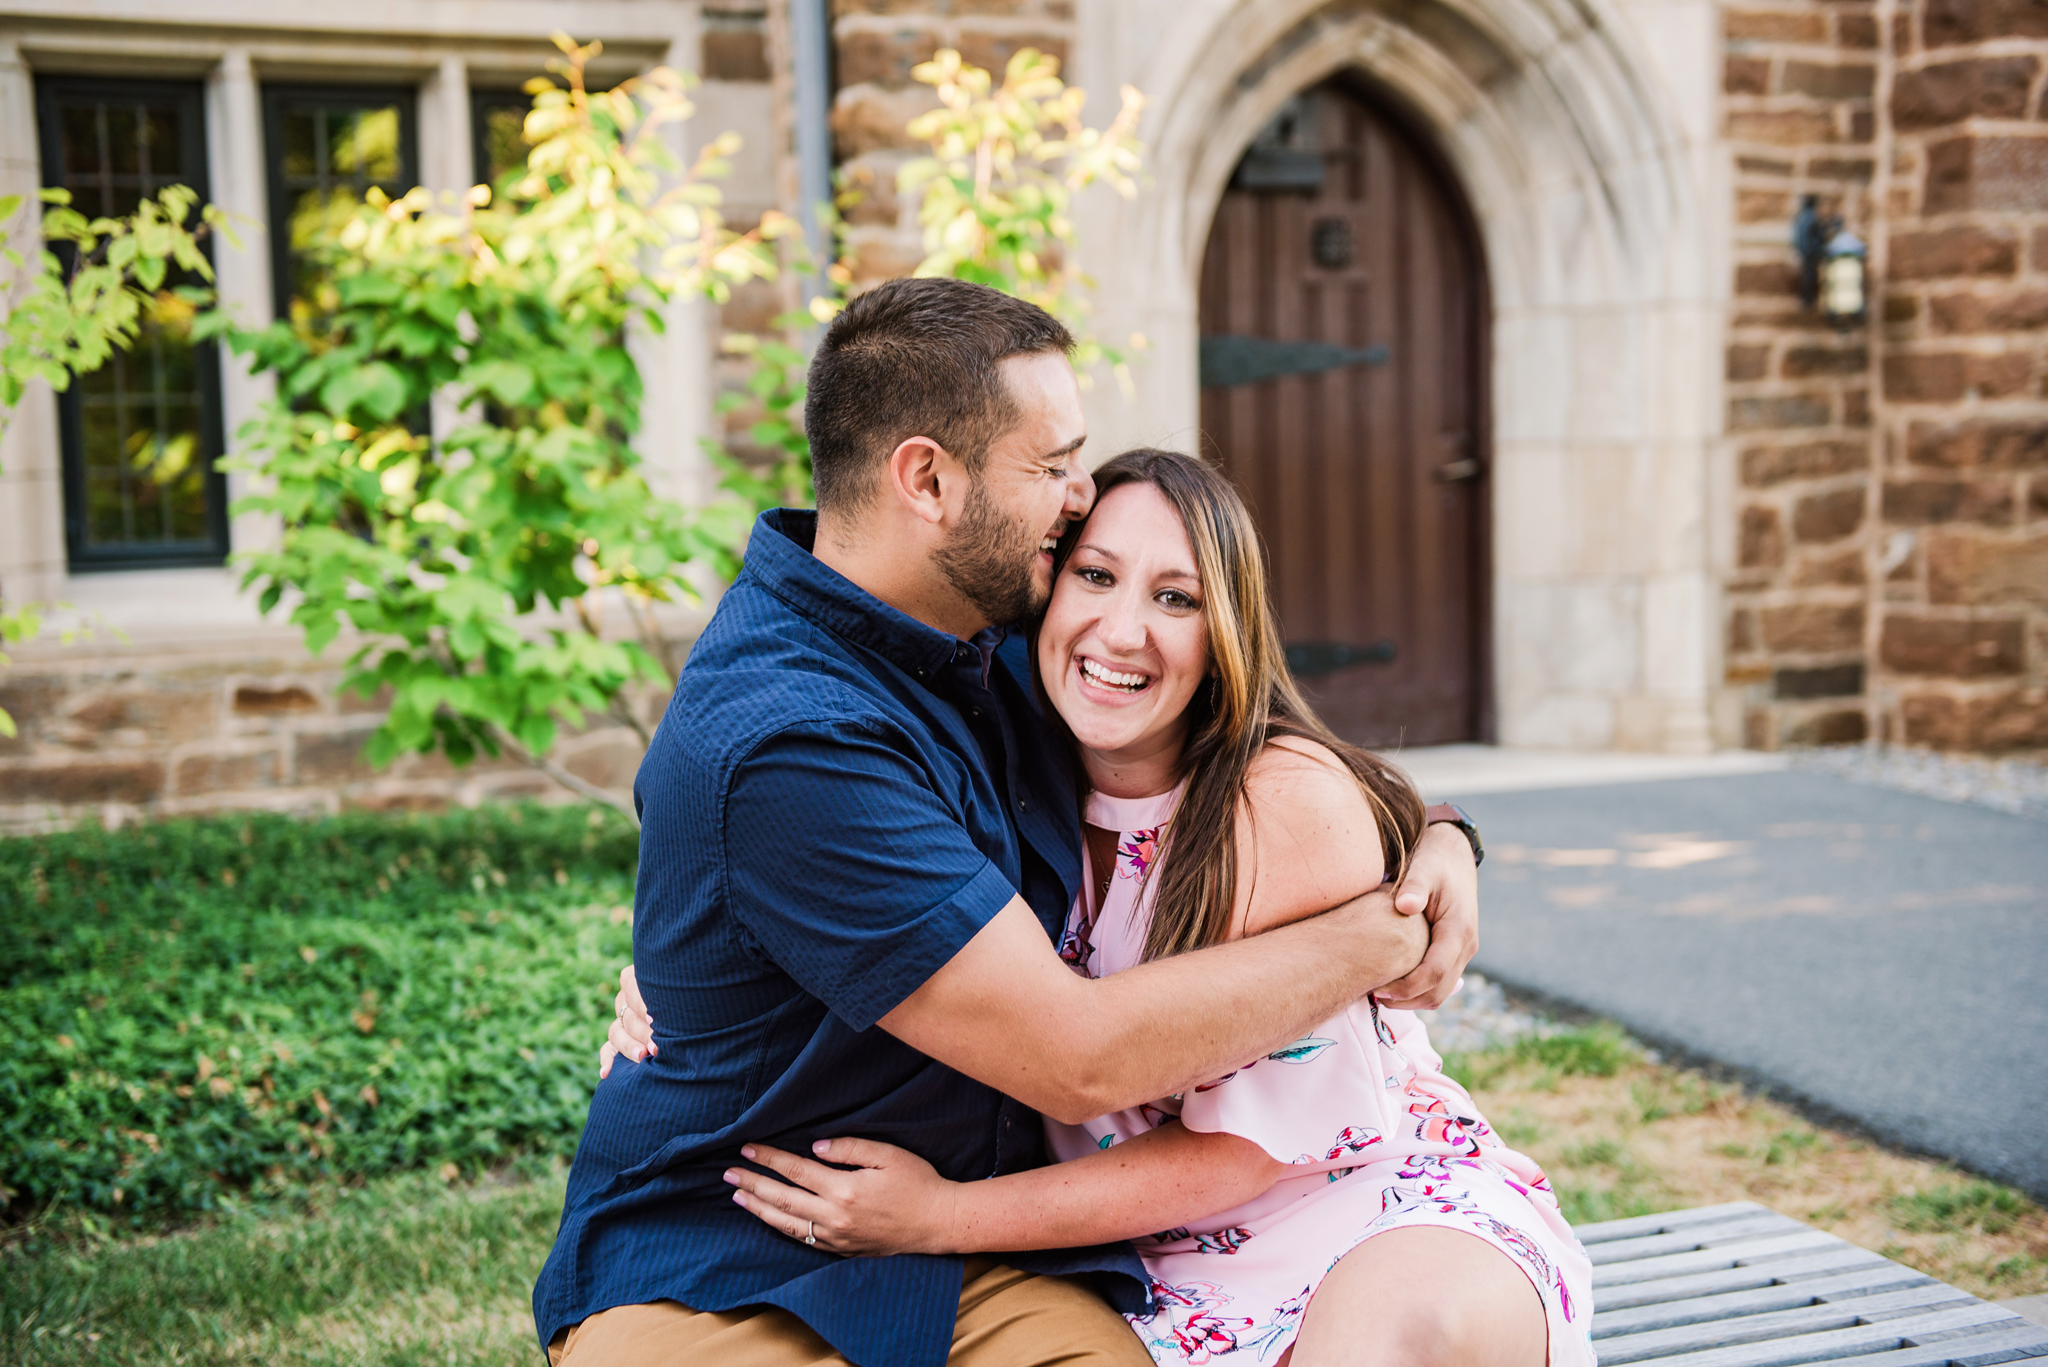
(623, 710)
(561, 775)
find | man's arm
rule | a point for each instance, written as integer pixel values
(1443, 883)
(1007, 1011)
(1065, 1051)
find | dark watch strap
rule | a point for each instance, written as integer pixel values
(1453, 814)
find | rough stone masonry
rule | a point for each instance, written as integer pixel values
(1890, 558)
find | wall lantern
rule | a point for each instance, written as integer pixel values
(1831, 266)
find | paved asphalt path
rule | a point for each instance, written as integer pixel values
(1879, 954)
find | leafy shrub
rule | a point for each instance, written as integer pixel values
(200, 1008)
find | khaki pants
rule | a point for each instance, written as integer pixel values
(1007, 1319)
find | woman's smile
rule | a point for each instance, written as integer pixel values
(1109, 678)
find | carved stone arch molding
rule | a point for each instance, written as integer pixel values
(1605, 280)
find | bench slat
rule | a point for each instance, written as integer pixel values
(1780, 1325)
(2010, 1345)
(1712, 1259)
(1665, 1222)
(1760, 1300)
(1845, 1343)
(1698, 1236)
(1827, 1262)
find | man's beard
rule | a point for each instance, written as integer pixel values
(993, 563)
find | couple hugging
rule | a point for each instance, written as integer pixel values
(986, 827)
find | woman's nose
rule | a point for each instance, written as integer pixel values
(1122, 627)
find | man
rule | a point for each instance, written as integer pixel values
(859, 845)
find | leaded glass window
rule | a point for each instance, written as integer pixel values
(327, 147)
(141, 434)
(497, 122)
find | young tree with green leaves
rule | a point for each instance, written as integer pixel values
(95, 286)
(995, 199)
(476, 565)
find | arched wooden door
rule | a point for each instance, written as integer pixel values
(1343, 389)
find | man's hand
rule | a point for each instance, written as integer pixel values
(632, 1032)
(1442, 883)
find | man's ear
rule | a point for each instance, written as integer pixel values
(920, 475)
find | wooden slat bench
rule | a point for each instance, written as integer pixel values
(1743, 1286)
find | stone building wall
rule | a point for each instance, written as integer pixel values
(1799, 83)
(875, 45)
(1961, 658)
(167, 732)
(1890, 556)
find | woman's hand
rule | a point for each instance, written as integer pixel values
(1442, 883)
(892, 1202)
(632, 1032)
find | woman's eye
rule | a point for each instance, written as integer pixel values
(1098, 577)
(1178, 601)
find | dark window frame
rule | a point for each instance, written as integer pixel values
(481, 102)
(278, 197)
(211, 550)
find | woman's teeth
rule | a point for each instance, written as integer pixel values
(1130, 683)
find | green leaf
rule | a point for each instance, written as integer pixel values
(358, 291)
(509, 382)
(415, 337)
(375, 389)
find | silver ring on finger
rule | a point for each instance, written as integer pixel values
(811, 1234)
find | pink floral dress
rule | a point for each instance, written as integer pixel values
(1380, 1138)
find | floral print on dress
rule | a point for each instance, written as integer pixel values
(1299, 1052)
(1194, 1330)
(1379, 1139)
(1223, 1240)
(1137, 852)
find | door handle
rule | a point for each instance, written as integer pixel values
(1455, 471)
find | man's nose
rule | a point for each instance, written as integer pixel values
(1080, 491)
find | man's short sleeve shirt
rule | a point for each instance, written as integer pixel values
(837, 800)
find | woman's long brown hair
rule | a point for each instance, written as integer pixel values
(1250, 701)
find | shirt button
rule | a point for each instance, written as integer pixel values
(1022, 805)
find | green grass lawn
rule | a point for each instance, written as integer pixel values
(402, 1270)
(285, 1092)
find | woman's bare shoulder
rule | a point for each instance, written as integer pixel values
(1312, 840)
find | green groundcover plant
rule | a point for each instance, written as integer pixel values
(206, 1009)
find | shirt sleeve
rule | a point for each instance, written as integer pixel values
(851, 868)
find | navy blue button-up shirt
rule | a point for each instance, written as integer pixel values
(837, 800)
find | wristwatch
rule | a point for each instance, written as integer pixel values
(1455, 815)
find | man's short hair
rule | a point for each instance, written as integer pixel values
(916, 358)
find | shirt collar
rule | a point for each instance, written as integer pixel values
(780, 559)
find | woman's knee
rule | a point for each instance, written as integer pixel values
(1424, 1298)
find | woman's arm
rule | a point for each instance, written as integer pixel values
(893, 1202)
(1307, 838)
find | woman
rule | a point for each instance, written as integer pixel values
(1337, 1201)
